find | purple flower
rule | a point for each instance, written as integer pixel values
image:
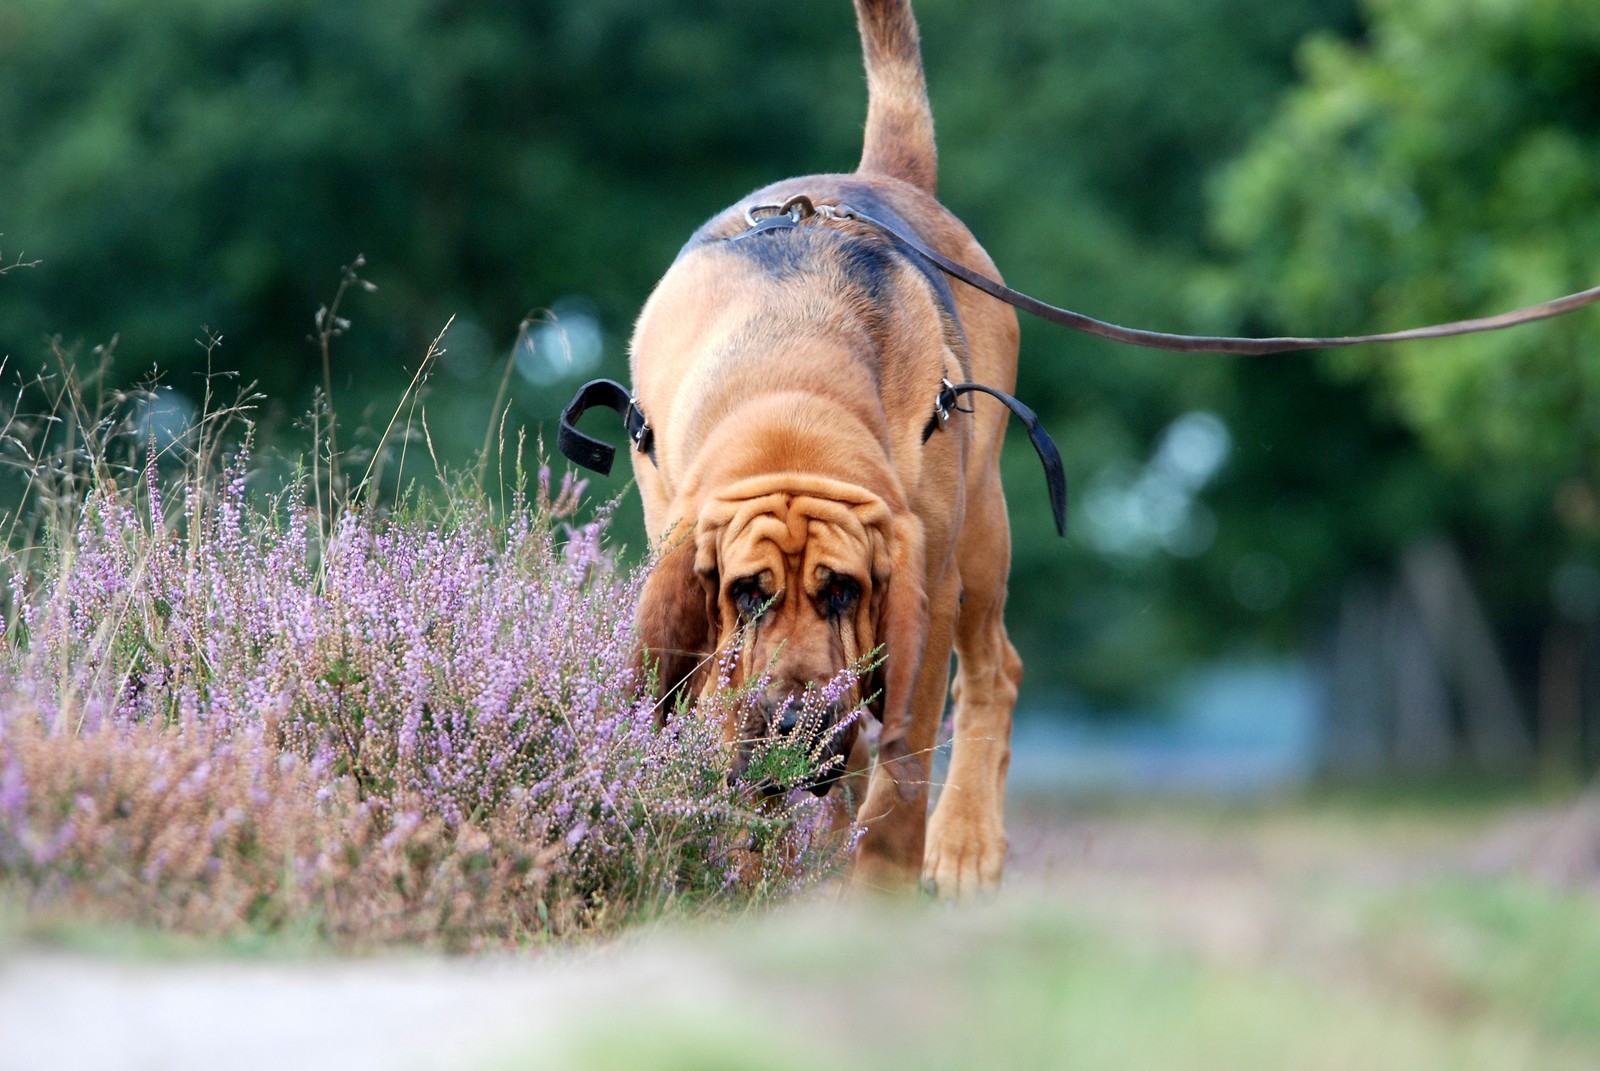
(453, 675)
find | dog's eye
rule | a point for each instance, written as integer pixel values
(748, 598)
(838, 596)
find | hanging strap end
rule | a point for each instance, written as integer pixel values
(589, 452)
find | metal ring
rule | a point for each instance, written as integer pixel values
(798, 207)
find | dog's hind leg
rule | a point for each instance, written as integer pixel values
(966, 840)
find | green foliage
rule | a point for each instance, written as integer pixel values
(1448, 165)
(185, 164)
(1076, 140)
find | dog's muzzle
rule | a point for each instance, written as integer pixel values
(818, 744)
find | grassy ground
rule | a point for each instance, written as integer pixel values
(1350, 933)
(1346, 932)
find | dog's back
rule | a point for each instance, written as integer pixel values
(899, 136)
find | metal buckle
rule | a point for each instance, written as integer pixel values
(750, 217)
(944, 402)
(643, 432)
(796, 208)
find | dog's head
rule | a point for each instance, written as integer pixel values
(791, 583)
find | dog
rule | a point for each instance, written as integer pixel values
(812, 495)
(821, 496)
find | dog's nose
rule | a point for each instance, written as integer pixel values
(782, 713)
(788, 718)
(781, 706)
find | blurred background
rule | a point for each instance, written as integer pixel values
(1381, 563)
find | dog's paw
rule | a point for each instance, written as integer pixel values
(964, 858)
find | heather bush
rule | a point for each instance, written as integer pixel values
(231, 706)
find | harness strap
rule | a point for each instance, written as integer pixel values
(781, 222)
(1055, 476)
(590, 452)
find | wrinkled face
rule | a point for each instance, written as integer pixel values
(793, 586)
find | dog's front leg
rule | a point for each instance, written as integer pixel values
(894, 815)
(966, 845)
(966, 842)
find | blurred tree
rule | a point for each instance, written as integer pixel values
(186, 163)
(1448, 165)
(1077, 140)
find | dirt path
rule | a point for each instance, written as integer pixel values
(1243, 890)
(65, 1012)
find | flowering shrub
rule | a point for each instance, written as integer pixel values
(222, 711)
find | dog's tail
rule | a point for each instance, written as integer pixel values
(899, 138)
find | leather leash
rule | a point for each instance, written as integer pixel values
(1202, 343)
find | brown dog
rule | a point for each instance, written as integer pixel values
(788, 375)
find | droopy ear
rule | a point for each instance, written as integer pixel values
(676, 618)
(901, 603)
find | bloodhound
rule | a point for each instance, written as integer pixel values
(808, 484)
(820, 494)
